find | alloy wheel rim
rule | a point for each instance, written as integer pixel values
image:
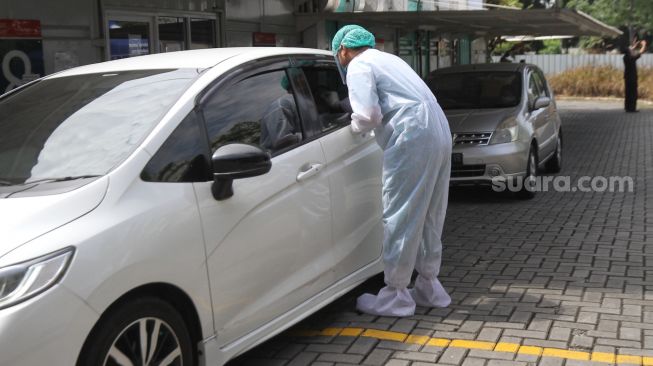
(147, 342)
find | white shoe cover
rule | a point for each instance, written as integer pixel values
(389, 302)
(430, 293)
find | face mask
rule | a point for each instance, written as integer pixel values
(341, 69)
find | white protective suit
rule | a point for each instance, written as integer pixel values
(388, 96)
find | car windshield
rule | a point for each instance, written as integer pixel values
(83, 125)
(472, 90)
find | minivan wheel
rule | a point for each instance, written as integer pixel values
(554, 165)
(531, 173)
(146, 331)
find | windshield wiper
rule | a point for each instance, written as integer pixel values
(6, 183)
(62, 179)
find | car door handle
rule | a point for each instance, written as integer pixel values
(309, 172)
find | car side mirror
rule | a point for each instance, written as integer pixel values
(236, 161)
(541, 102)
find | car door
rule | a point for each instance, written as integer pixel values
(536, 117)
(549, 132)
(269, 245)
(354, 165)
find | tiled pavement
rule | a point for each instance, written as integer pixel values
(570, 271)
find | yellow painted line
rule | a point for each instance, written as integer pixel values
(385, 335)
(331, 332)
(438, 342)
(603, 357)
(515, 348)
(461, 343)
(506, 347)
(530, 350)
(351, 332)
(632, 360)
(570, 355)
(417, 339)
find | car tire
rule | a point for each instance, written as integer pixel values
(116, 337)
(531, 171)
(554, 165)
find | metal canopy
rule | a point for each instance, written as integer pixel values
(496, 22)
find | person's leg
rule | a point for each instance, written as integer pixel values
(631, 95)
(428, 291)
(408, 179)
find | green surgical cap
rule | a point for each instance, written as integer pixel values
(285, 83)
(352, 36)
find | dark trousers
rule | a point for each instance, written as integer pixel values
(631, 95)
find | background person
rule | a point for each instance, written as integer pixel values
(388, 96)
(631, 55)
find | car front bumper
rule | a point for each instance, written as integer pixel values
(482, 163)
(48, 329)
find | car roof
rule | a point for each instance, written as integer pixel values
(502, 66)
(193, 59)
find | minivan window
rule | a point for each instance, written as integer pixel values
(183, 156)
(478, 89)
(82, 125)
(330, 96)
(259, 110)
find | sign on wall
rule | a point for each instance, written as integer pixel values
(21, 53)
(260, 39)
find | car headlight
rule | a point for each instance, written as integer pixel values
(506, 132)
(22, 281)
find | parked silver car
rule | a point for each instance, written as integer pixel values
(504, 122)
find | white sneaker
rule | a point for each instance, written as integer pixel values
(389, 302)
(430, 293)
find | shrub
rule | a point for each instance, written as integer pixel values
(600, 81)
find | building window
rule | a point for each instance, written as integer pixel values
(202, 33)
(128, 39)
(172, 34)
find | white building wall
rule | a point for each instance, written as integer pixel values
(556, 64)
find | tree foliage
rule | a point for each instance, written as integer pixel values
(618, 12)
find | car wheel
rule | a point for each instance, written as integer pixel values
(526, 192)
(146, 331)
(554, 165)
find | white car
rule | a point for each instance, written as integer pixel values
(181, 208)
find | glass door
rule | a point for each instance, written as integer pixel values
(128, 36)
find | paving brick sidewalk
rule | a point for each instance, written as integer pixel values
(565, 270)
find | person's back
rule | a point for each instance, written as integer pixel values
(398, 88)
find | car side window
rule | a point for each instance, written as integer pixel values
(182, 157)
(544, 92)
(330, 96)
(259, 110)
(533, 89)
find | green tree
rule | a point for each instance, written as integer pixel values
(618, 12)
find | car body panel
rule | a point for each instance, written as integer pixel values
(38, 215)
(269, 246)
(353, 166)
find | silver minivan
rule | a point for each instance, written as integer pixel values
(504, 122)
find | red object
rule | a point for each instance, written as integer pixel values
(20, 28)
(264, 39)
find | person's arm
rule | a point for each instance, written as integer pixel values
(642, 46)
(363, 98)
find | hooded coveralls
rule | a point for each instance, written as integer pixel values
(387, 96)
